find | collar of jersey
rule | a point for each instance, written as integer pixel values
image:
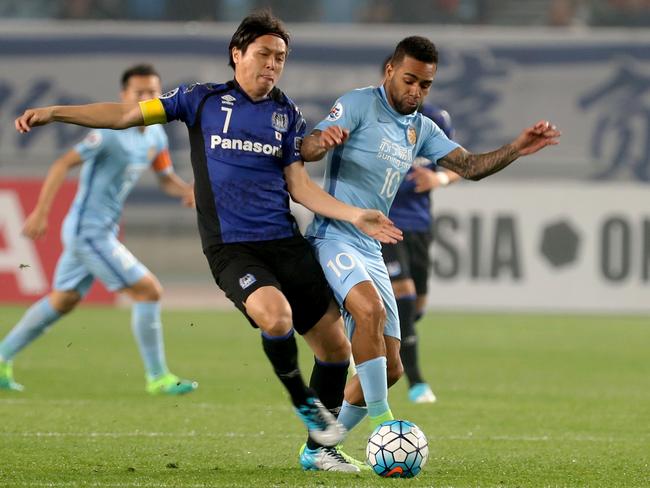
(405, 119)
(270, 96)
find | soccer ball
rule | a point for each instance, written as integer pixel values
(397, 449)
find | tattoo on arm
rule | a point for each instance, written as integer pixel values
(476, 166)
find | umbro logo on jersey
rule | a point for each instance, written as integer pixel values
(228, 99)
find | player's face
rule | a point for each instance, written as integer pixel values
(259, 68)
(141, 88)
(408, 84)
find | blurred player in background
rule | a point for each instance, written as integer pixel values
(245, 139)
(375, 134)
(408, 261)
(112, 162)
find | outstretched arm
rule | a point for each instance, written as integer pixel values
(304, 191)
(476, 166)
(97, 115)
(36, 222)
(174, 186)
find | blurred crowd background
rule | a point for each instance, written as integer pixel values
(632, 13)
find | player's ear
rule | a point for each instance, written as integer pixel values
(236, 55)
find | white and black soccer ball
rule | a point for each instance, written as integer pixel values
(397, 449)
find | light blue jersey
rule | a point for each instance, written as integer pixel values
(112, 163)
(368, 169)
(366, 172)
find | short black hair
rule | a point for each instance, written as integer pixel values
(257, 24)
(138, 70)
(416, 47)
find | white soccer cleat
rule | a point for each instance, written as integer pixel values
(321, 424)
(325, 459)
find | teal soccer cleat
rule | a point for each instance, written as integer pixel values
(7, 377)
(170, 384)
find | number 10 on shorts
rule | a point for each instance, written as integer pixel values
(342, 262)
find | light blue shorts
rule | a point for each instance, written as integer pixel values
(102, 257)
(345, 266)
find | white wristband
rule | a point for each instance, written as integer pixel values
(443, 178)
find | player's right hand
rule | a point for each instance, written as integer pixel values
(33, 117)
(35, 225)
(375, 224)
(333, 136)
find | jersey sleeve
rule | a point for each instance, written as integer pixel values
(92, 144)
(436, 144)
(178, 104)
(293, 139)
(344, 113)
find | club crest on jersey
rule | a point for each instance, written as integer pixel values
(280, 122)
(335, 112)
(411, 135)
(228, 99)
(169, 94)
(247, 280)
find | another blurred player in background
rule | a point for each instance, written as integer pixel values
(112, 162)
(408, 261)
(376, 134)
(245, 137)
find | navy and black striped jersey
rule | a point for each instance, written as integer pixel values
(412, 211)
(239, 149)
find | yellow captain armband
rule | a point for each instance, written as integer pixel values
(153, 112)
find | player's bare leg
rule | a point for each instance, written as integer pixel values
(369, 350)
(270, 310)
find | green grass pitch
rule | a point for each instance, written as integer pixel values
(524, 401)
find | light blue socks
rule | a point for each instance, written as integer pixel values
(147, 329)
(36, 320)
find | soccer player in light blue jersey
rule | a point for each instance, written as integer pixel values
(375, 134)
(111, 163)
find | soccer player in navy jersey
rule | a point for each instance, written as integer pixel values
(111, 163)
(408, 261)
(375, 135)
(245, 140)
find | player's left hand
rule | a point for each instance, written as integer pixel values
(375, 224)
(425, 179)
(534, 138)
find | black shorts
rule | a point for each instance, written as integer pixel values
(287, 264)
(410, 259)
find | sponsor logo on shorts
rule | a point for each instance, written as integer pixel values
(247, 280)
(394, 268)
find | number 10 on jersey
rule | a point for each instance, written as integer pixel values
(391, 183)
